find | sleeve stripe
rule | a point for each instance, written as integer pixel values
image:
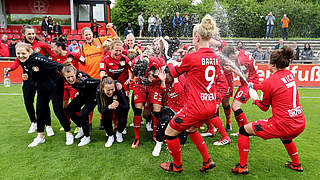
(177, 70)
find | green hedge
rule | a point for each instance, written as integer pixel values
(235, 18)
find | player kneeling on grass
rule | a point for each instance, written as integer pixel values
(112, 100)
(287, 121)
(84, 102)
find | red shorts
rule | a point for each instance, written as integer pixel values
(140, 93)
(184, 120)
(69, 92)
(267, 129)
(242, 94)
(155, 95)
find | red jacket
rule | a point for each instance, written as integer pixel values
(4, 50)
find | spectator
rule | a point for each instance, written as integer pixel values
(4, 47)
(12, 47)
(140, 21)
(270, 23)
(4, 39)
(307, 52)
(186, 22)
(297, 50)
(177, 24)
(152, 22)
(158, 25)
(258, 54)
(284, 25)
(240, 46)
(45, 27)
(267, 53)
(57, 29)
(257, 47)
(50, 25)
(128, 30)
(74, 46)
(280, 45)
(95, 28)
(195, 19)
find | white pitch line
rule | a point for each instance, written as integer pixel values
(305, 97)
(11, 94)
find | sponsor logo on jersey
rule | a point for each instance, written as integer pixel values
(110, 64)
(122, 63)
(35, 68)
(102, 65)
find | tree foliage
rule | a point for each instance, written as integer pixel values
(235, 18)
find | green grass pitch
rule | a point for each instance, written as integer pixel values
(55, 160)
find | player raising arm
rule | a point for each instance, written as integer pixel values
(287, 121)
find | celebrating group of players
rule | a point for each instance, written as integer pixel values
(178, 94)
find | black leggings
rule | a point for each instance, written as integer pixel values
(29, 91)
(122, 115)
(51, 90)
(81, 120)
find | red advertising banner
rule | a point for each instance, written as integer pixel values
(307, 75)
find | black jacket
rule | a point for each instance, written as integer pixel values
(40, 68)
(57, 29)
(87, 86)
(45, 26)
(118, 95)
(12, 50)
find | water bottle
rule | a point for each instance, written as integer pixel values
(6, 81)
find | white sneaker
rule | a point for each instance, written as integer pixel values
(33, 128)
(206, 134)
(234, 134)
(80, 134)
(38, 140)
(148, 126)
(109, 142)
(107, 134)
(131, 125)
(124, 131)
(84, 141)
(49, 131)
(157, 149)
(119, 138)
(69, 138)
(222, 142)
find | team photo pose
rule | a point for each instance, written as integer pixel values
(49, 86)
(112, 101)
(28, 87)
(202, 68)
(84, 102)
(287, 121)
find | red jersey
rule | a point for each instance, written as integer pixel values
(174, 97)
(202, 69)
(38, 46)
(223, 44)
(280, 91)
(248, 66)
(61, 59)
(4, 49)
(118, 69)
(221, 87)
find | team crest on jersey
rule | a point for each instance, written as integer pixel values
(35, 68)
(135, 97)
(37, 49)
(115, 97)
(122, 63)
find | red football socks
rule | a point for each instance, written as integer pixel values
(175, 150)
(241, 119)
(218, 124)
(243, 147)
(200, 144)
(155, 125)
(227, 112)
(293, 153)
(136, 126)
